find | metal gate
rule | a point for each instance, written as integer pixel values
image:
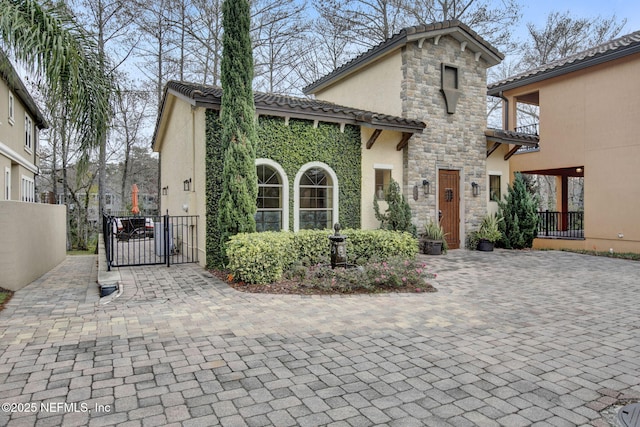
(150, 240)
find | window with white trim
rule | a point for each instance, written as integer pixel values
(28, 134)
(316, 199)
(7, 183)
(28, 189)
(269, 214)
(11, 109)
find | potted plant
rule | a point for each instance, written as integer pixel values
(432, 241)
(489, 233)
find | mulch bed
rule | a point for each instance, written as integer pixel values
(292, 287)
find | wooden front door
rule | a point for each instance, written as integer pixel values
(449, 205)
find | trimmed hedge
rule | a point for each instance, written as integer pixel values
(264, 257)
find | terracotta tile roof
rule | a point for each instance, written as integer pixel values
(609, 51)
(281, 105)
(403, 37)
(511, 137)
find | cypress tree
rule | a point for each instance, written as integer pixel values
(398, 214)
(520, 213)
(237, 205)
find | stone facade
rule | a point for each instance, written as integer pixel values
(450, 141)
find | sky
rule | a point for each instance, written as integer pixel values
(536, 11)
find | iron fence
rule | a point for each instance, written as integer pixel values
(150, 239)
(564, 225)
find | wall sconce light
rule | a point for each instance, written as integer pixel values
(426, 187)
(165, 190)
(475, 189)
(187, 184)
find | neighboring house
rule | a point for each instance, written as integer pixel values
(412, 108)
(20, 125)
(589, 110)
(33, 234)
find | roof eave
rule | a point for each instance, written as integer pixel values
(472, 43)
(497, 88)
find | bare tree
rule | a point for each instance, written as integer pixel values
(563, 35)
(277, 33)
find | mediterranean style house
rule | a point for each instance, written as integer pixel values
(588, 106)
(33, 234)
(412, 108)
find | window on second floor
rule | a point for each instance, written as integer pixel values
(28, 134)
(11, 108)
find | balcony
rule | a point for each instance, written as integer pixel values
(532, 129)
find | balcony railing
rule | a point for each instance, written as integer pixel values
(561, 225)
(532, 129)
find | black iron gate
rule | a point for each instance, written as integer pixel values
(150, 240)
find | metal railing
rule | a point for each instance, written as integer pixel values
(150, 240)
(532, 129)
(561, 225)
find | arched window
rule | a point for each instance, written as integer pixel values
(273, 197)
(316, 204)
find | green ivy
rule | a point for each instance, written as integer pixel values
(291, 146)
(214, 163)
(325, 143)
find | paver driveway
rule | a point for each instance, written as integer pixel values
(511, 338)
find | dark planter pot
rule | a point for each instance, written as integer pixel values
(485, 245)
(432, 247)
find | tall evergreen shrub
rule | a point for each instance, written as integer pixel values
(237, 205)
(397, 217)
(520, 212)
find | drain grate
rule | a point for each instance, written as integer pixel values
(629, 416)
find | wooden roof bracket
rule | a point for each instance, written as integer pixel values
(493, 148)
(374, 136)
(404, 141)
(512, 152)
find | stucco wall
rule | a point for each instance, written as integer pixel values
(589, 119)
(497, 166)
(183, 158)
(450, 141)
(383, 155)
(376, 88)
(33, 241)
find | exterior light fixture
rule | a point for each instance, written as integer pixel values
(475, 189)
(165, 190)
(579, 170)
(187, 184)
(426, 187)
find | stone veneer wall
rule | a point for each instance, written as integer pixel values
(450, 141)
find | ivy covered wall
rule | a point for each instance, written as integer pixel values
(291, 146)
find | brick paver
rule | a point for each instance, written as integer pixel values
(511, 338)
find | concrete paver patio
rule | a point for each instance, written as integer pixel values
(511, 338)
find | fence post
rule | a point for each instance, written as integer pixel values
(166, 238)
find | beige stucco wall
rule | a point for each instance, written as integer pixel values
(496, 166)
(183, 157)
(590, 119)
(383, 155)
(33, 241)
(374, 88)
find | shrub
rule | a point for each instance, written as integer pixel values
(260, 257)
(263, 257)
(397, 217)
(520, 213)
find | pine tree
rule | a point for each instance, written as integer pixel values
(237, 205)
(520, 213)
(398, 215)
